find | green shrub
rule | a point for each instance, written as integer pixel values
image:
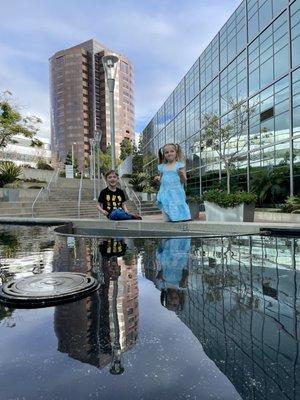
(43, 165)
(193, 199)
(13, 185)
(139, 181)
(291, 204)
(35, 187)
(9, 172)
(149, 189)
(226, 200)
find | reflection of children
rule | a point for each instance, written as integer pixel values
(171, 197)
(172, 259)
(111, 201)
(110, 250)
(112, 247)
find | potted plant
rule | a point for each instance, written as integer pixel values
(193, 201)
(227, 141)
(221, 206)
(150, 193)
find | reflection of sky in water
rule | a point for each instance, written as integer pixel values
(234, 329)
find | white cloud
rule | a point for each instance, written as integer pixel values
(162, 39)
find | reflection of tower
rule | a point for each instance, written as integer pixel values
(128, 303)
(87, 329)
(71, 254)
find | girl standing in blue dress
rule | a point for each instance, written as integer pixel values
(171, 197)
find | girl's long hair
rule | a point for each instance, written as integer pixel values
(179, 154)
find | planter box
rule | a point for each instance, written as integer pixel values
(147, 196)
(194, 210)
(241, 213)
(11, 195)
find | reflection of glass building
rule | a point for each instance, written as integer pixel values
(255, 56)
(242, 304)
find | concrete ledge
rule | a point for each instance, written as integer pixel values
(154, 228)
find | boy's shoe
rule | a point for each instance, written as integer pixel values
(136, 216)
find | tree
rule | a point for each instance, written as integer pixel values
(137, 159)
(126, 148)
(226, 139)
(13, 123)
(105, 160)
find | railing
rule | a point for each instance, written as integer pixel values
(35, 200)
(79, 194)
(132, 196)
(45, 191)
(53, 181)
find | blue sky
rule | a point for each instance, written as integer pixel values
(162, 38)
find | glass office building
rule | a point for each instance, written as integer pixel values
(255, 58)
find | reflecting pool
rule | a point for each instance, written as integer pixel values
(178, 318)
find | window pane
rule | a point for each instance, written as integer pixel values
(266, 72)
(281, 60)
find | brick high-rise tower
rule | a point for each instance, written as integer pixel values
(80, 100)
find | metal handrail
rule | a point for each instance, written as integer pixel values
(47, 190)
(35, 200)
(79, 195)
(54, 177)
(132, 196)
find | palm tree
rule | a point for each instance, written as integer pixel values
(269, 184)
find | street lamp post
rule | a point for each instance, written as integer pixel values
(94, 159)
(110, 68)
(92, 165)
(73, 158)
(97, 138)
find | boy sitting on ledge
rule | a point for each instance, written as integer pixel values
(111, 201)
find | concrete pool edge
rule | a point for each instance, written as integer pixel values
(191, 228)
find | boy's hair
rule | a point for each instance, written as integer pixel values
(112, 171)
(179, 154)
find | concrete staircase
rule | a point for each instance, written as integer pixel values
(62, 202)
(148, 208)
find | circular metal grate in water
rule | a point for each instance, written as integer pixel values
(47, 289)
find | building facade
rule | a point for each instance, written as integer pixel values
(80, 102)
(254, 59)
(22, 152)
(241, 304)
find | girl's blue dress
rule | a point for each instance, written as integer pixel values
(172, 257)
(171, 197)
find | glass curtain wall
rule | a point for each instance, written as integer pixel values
(255, 59)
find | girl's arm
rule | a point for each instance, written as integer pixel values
(157, 178)
(124, 207)
(182, 175)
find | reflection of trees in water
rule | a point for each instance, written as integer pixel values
(9, 244)
(5, 312)
(242, 305)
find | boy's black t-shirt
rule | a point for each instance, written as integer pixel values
(111, 200)
(113, 247)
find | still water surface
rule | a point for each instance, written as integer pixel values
(175, 318)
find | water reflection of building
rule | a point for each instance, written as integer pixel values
(86, 329)
(242, 305)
